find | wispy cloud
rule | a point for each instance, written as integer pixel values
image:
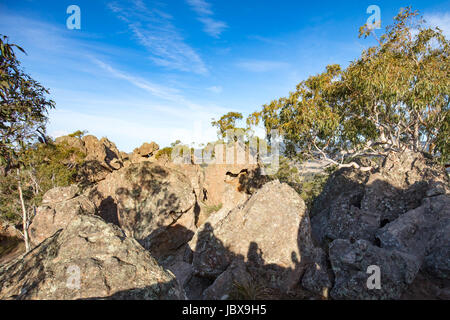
(92, 92)
(155, 30)
(267, 40)
(156, 90)
(215, 89)
(441, 20)
(166, 93)
(201, 7)
(261, 65)
(204, 11)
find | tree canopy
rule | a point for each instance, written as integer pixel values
(23, 104)
(226, 123)
(395, 96)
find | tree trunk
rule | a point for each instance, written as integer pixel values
(24, 214)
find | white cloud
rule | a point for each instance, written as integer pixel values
(154, 30)
(90, 94)
(215, 89)
(211, 26)
(261, 65)
(441, 20)
(201, 7)
(156, 90)
(267, 40)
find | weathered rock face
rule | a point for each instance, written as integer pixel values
(9, 231)
(60, 194)
(317, 277)
(59, 206)
(223, 287)
(270, 233)
(146, 200)
(356, 204)
(146, 150)
(102, 157)
(395, 218)
(110, 266)
(424, 233)
(414, 231)
(350, 263)
(342, 193)
(231, 162)
(73, 142)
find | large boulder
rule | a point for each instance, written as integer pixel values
(147, 200)
(72, 142)
(89, 259)
(146, 150)
(351, 261)
(196, 176)
(336, 210)
(417, 231)
(270, 233)
(396, 217)
(355, 204)
(102, 157)
(230, 164)
(59, 206)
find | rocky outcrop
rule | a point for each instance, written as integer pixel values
(222, 181)
(354, 205)
(102, 157)
(395, 218)
(224, 231)
(89, 259)
(146, 150)
(226, 170)
(59, 206)
(270, 234)
(72, 142)
(350, 263)
(414, 231)
(147, 200)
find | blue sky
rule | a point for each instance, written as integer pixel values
(141, 70)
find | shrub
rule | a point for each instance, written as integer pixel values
(164, 152)
(47, 166)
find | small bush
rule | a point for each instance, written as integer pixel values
(164, 152)
(213, 208)
(250, 290)
(45, 166)
(78, 134)
(312, 187)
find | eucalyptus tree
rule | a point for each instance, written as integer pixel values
(23, 115)
(395, 96)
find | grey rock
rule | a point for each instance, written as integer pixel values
(350, 262)
(59, 208)
(270, 232)
(146, 200)
(109, 265)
